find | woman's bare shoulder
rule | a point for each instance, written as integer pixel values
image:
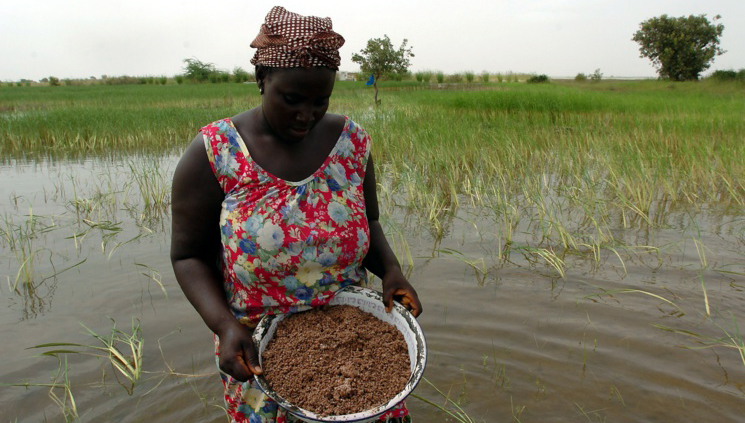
(333, 123)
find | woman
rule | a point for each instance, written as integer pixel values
(275, 209)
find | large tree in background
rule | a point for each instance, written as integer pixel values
(680, 48)
(380, 59)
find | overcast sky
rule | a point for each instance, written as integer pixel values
(82, 38)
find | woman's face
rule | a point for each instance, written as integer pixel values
(295, 99)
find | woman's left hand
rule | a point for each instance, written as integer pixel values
(396, 287)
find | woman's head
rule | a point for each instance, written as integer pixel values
(296, 61)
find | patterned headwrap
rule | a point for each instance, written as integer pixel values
(289, 40)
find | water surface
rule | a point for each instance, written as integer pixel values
(508, 339)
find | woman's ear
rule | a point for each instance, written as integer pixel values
(260, 77)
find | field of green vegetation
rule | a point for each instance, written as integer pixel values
(629, 144)
(565, 179)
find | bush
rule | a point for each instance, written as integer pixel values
(179, 79)
(240, 75)
(454, 78)
(440, 77)
(54, 81)
(596, 76)
(163, 80)
(484, 76)
(394, 76)
(499, 77)
(197, 70)
(724, 75)
(123, 80)
(469, 76)
(581, 77)
(538, 79)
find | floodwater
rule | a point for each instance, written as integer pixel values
(509, 340)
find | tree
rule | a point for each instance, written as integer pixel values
(680, 48)
(240, 75)
(381, 60)
(197, 70)
(596, 76)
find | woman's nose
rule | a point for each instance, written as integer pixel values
(304, 114)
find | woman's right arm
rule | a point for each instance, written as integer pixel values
(196, 201)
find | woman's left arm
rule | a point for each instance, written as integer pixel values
(380, 259)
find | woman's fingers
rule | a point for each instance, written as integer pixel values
(408, 300)
(252, 358)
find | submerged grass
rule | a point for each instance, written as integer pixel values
(123, 350)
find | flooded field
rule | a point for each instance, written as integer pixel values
(579, 249)
(648, 332)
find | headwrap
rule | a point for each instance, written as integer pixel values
(289, 40)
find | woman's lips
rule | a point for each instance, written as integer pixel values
(301, 132)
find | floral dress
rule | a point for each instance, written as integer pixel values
(287, 246)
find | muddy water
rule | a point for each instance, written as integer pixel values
(507, 339)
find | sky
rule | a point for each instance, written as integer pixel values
(559, 38)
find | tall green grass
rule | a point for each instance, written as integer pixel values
(627, 143)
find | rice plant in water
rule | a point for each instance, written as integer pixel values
(123, 350)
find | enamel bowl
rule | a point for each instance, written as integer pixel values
(370, 301)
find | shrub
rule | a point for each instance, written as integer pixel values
(741, 75)
(484, 76)
(426, 76)
(499, 77)
(123, 80)
(240, 75)
(179, 79)
(163, 80)
(469, 76)
(581, 77)
(394, 76)
(440, 77)
(419, 76)
(724, 75)
(455, 78)
(538, 79)
(596, 76)
(197, 70)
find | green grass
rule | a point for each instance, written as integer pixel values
(604, 149)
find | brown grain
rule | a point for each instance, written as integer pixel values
(336, 360)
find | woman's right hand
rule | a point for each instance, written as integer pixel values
(238, 355)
